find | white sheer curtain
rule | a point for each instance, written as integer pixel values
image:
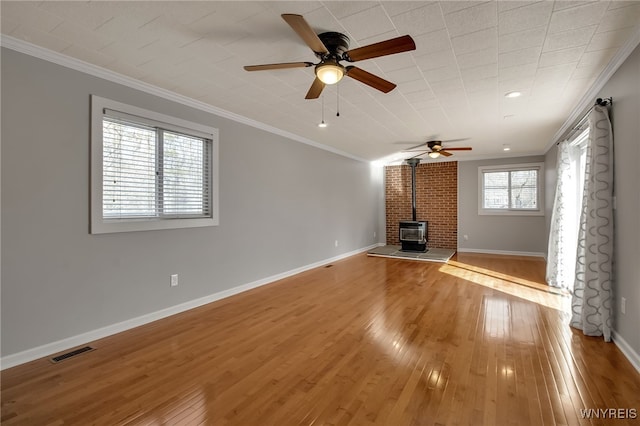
(591, 302)
(565, 217)
(562, 238)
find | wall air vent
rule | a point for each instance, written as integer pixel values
(71, 354)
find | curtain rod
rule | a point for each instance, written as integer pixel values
(599, 102)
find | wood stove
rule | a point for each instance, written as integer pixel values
(413, 235)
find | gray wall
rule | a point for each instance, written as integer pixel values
(624, 87)
(495, 233)
(282, 205)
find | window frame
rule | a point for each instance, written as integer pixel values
(538, 211)
(101, 225)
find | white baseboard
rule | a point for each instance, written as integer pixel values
(504, 252)
(13, 360)
(627, 350)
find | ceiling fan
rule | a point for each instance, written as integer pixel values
(333, 47)
(436, 149)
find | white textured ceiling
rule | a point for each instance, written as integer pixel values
(468, 55)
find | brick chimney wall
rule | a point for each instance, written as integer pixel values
(436, 201)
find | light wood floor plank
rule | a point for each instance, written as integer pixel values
(367, 341)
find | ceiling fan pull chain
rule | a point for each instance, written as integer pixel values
(322, 124)
(338, 100)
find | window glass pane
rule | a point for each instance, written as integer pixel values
(128, 170)
(496, 190)
(524, 189)
(185, 190)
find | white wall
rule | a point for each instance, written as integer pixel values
(282, 206)
(500, 234)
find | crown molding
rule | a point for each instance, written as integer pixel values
(103, 73)
(588, 98)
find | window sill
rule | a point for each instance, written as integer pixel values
(487, 212)
(113, 226)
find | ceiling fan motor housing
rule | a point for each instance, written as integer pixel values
(336, 43)
(330, 70)
(435, 145)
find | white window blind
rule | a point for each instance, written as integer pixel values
(128, 170)
(151, 170)
(184, 171)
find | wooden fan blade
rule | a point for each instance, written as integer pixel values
(280, 66)
(315, 89)
(445, 153)
(466, 148)
(413, 147)
(419, 155)
(370, 79)
(306, 33)
(383, 48)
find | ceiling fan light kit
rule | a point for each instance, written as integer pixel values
(330, 72)
(331, 48)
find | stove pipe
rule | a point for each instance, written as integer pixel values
(413, 162)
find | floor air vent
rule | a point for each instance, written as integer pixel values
(71, 354)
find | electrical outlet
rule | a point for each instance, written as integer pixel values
(374, 234)
(623, 305)
(466, 237)
(336, 243)
(174, 280)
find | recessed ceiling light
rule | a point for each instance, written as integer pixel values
(508, 116)
(322, 124)
(506, 148)
(513, 94)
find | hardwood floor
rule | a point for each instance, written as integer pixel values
(481, 340)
